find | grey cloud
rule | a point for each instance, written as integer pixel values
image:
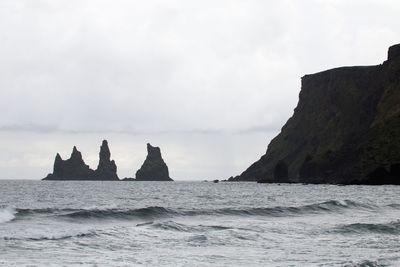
(212, 68)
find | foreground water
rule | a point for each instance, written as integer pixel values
(197, 224)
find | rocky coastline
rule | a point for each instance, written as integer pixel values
(344, 130)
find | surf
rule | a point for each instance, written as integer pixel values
(7, 214)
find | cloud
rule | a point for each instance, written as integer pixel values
(157, 68)
(145, 66)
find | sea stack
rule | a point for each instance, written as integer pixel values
(73, 168)
(154, 167)
(106, 170)
(344, 130)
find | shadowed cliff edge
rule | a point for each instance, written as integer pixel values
(344, 130)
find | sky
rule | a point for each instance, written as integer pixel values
(209, 82)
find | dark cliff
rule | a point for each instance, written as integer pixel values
(345, 129)
(154, 167)
(75, 168)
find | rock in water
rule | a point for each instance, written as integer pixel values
(345, 129)
(106, 170)
(73, 168)
(154, 167)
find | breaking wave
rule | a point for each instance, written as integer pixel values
(331, 206)
(7, 214)
(368, 228)
(146, 213)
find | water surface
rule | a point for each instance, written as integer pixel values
(71, 223)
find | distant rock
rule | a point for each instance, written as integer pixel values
(106, 170)
(75, 168)
(128, 179)
(154, 167)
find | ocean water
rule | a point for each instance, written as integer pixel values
(197, 224)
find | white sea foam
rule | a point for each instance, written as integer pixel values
(7, 214)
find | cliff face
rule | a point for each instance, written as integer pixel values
(345, 129)
(154, 167)
(75, 168)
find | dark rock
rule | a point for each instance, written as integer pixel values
(382, 176)
(395, 171)
(281, 174)
(344, 130)
(394, 52)
(154, 167)
(128, 179)
(106, 170)
(234, 179)
(73, 168)
(378, 177)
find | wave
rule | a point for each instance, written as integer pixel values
(146, 213)
(179, 227)
(162, 212)
(27, 212)
(368, 228)
(53, 238)
(7, 214)
(174, 226)
(324, 207)
(394, 206)
(365, 263)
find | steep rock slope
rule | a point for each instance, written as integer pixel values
(345, 129)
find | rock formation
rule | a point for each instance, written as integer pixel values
(75, 168)
(154, 167)
(106, 170)
(345, 129)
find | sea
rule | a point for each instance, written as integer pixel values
(72, 223)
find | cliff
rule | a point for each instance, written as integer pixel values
(345, 129)
(75, 168)
(154, 167)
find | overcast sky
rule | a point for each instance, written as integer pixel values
(210, 82)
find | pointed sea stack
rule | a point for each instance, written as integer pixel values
(154, 167)
(73, 168)
(106, 170)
